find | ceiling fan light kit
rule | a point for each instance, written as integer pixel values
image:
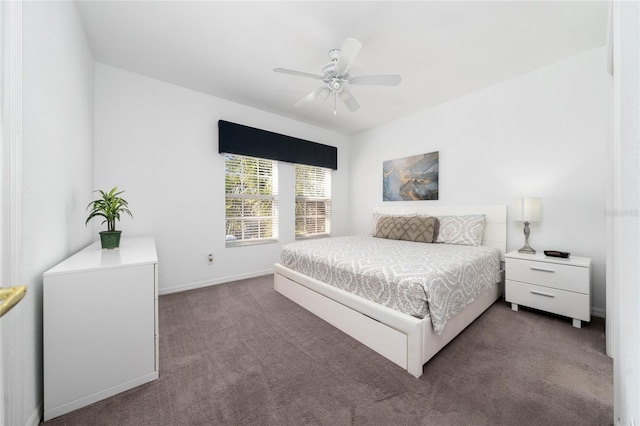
(335, 76)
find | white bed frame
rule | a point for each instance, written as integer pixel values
(407, 341)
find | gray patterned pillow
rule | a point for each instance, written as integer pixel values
(420, 229)
(375, 217)
(466, 230)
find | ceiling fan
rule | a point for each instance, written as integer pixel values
(335, 76)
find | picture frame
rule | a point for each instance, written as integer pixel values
(411, 178)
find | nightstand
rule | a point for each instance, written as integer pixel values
(551, 284)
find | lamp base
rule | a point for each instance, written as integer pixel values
(527, 250)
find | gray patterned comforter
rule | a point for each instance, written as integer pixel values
(418, 279)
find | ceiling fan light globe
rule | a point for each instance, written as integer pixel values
(325, 93)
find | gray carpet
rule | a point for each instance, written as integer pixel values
(242, 354)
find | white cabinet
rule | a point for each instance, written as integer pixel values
(100, 324)
(560, 286)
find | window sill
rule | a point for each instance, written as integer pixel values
(311, 237)
(241, 243)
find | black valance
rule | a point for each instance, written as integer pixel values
(243, 140)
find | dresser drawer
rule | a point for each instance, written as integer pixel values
(561, 302)
(554, 275)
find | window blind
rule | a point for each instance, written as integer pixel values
(313, 201)
(251, 199)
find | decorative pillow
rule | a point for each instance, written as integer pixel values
(376, 217)
(465, 230)
(420, 229)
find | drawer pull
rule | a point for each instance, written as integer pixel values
(542, 270)
(539, 293)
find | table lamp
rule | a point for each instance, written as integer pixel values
(526, 210)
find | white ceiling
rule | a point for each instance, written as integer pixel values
(442, 49)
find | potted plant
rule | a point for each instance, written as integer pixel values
(109, 206)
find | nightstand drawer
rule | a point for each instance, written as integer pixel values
(554, 275)
(567, 303)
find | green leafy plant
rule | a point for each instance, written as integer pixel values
(109, 206)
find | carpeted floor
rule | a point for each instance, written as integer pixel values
(242, 354)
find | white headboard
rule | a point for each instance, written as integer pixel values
(495, 229)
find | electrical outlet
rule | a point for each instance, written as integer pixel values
(210, 259)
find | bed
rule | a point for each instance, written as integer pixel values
(395, 323)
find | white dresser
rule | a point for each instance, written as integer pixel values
(560, 286)
(100, 324)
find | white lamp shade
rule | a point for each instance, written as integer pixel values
(526, 209)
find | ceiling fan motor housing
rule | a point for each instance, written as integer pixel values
(334, 81)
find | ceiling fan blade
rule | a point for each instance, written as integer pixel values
(376, 80)
(348, 99)
(348, 53)
(323, 92)
(307, 99)
(298, 73)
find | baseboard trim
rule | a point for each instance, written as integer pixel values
(598, 313)
(223, 280)
(36, 416)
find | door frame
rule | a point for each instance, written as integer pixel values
(11, 340)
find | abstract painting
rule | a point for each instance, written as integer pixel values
(411, 178)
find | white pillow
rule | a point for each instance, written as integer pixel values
(465, 230)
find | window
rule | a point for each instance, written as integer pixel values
(313, 201)
(251, 205)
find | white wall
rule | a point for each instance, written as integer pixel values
(57, 163)
(159, 142)
(540, 134)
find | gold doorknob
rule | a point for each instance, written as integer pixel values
(10, 297)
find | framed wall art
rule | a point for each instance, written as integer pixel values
(411, 178)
